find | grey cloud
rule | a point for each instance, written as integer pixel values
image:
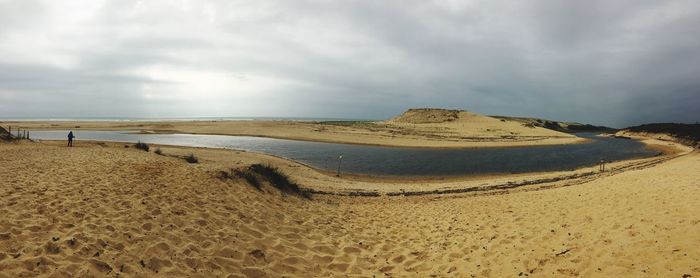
(603, 62)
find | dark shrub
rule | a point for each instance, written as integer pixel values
(587, 127)
(256, 174)
(278, 179)
(159, 151)
(191, 159)
(142, 146)
(249, 176)
(4, 134)
(552, 125)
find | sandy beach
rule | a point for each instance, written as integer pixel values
(100, 209)
(415, 128)
(253, 139)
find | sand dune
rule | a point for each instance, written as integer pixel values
(466, 123)
(105, 210)
(415, 128)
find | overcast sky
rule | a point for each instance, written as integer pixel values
(606, 62)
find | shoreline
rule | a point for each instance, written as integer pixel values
(579, 140)
(385, 178)
(326, 182)
(524, 143)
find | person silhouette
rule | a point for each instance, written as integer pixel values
(70, 138)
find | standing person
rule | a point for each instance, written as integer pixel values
(70, 138)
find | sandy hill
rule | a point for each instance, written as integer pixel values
(467, 124)
(429, 115)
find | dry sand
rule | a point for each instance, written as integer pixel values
(415, 128)
(105, 210)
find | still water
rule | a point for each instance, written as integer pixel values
(395, 161)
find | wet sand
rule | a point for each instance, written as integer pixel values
(100, 209)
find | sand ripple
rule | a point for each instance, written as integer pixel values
(96, 211)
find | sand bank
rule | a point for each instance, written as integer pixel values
(409, 130)
(105, 210)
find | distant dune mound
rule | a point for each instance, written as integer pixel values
(449, 124)
(427, 116)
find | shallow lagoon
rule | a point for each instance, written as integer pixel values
(396, 161)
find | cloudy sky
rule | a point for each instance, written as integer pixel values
(606, 62)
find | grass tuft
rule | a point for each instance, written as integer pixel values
(249, 176)
(256, 174)
(142, 146)
(191, 159)
(278, 179)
